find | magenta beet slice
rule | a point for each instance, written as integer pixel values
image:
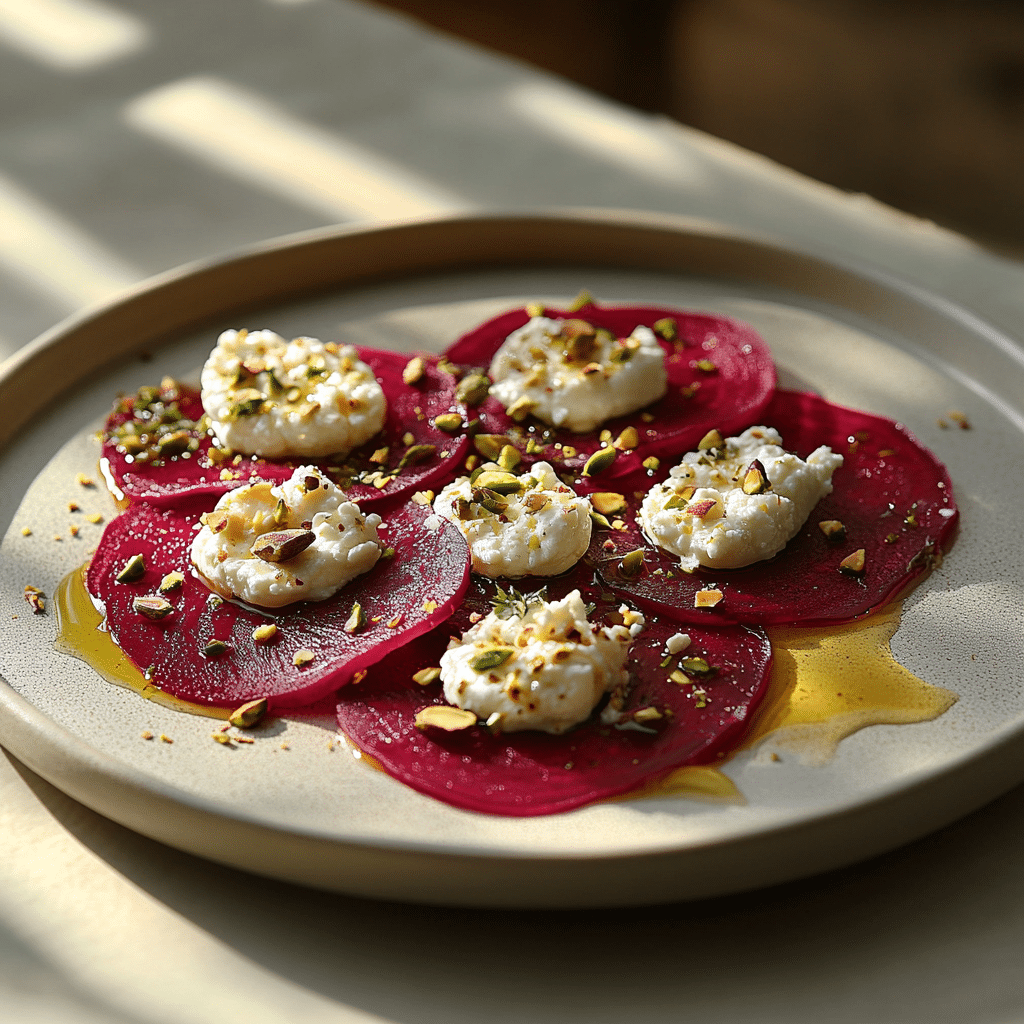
(168, 479)
(525, 774)
(401, 596)
(893, 496)
(729, 393)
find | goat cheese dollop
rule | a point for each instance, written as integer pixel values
(736, 503)
(570, 374)
(543, 666)
(538, 526)
(300, 541)
(302, 398)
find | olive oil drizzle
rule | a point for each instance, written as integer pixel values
(81, 633)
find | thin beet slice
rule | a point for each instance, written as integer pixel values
(730, 392)
(183, 475)
(893, 496)
(525, 774)
(400, 597)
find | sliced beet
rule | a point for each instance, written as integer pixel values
(525, 774)
(167, 481)
(400, 599)
(729, 394)
(893, 496)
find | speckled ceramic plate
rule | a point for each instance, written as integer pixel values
(296, 804)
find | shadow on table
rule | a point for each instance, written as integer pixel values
(930, 933)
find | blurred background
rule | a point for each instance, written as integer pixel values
(919, 103)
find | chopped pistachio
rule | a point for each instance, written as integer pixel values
(448, 719)
(449, 422)
(632, 563)
(600, 461)
(755, 480)
(666, 327)
(490, 445)
(707, 598)
(171, 582)
(133, 570)
(696, 667)
(26, 531)
(533, 448)
(426, 676)
(491, 659)
(534, 309)
(302, 657)
(705, 365)
(599, 520)
(265, 633)
(521, 408)
(509, 458)
(282, 545)
(423, 497)
(499, 482)
(152, 606)
(249, 714)
(356, 620)
(712, 439)
(414, 370)
(853, 564)
(651, 464)
(647, 715)
(416, 454)
(473, 389)
(708, 508)
(222, 738)
(583, 298)
(627, 440)
(214, 648)
(833, 529)
(608, 503)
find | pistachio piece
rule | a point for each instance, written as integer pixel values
(583, 298)
(600, 461)
(280, 513)
(473, 389)
(248, 402)
(499, 482)
(265, 633)
(302, 657)
(833, 529)
(521, 408)
(708, 508)
(647, 715)
(490, 500)
(608, 503)
(414, 370)
(707, 598)
(666, 328)
(755, 480)
(534, 309)
(133, 570)
(490, 445)
(651, 464)
(627, 440)
(447, 719)
(681, 498)
(214, 521)
(380, 456)
(711, 440)
(696, 667)
(509, 458)
(449, 422)
(356, 620)
(534, 501)
(599, 520)
(632, 563)
(152, 606)
(174, 444)
(426, 676)
(853, 564)
(282, 545)
(171, 582)
(246, 716)
(214, 648)
(416, 454)
(491, 659)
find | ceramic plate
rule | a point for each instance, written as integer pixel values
(297, 804)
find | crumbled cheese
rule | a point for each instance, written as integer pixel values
(558, 668)
(677, 643)
(566, 384)
(271, 397)
(542, 530)
(714, 523)
(345, 543)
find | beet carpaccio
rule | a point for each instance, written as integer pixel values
(535, 569)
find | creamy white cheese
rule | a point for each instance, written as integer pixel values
(302, 398)
(702, 514)
(541, 531)
(344, 543)
(576, 382)
(555, 666)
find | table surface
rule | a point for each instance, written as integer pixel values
(138, 135)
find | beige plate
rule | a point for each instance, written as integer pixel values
(319, 816)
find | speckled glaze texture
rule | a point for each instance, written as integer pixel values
(299, 804)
